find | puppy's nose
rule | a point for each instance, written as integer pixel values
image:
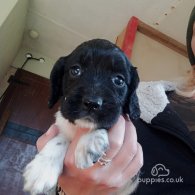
(92, 103)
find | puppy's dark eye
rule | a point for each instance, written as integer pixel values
(119, 80)
(75, 70)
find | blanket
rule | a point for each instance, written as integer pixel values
(152, 98)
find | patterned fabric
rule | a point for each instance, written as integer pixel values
(152, 98)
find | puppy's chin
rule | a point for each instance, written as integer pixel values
(85, 123)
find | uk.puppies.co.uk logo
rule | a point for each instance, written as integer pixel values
(160, 174)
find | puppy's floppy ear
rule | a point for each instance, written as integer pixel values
(131, 106)
(56, 79)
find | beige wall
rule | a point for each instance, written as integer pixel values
(12, 22)
(6, 7)
(157, 62)
(154, 61)
(62, 25)
(42, 69)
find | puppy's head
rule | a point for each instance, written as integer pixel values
(96, 83)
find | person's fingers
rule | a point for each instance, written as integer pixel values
(120, 178)
(85, 175)
(128, 149)
(116, 137)
(127, 161)
(102, 175)
(98, 172)
(70, 157)
(135, 165)
(51, 133)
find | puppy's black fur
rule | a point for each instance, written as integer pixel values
(97, 83)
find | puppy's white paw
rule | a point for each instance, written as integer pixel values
(41, 174)
(90, 148)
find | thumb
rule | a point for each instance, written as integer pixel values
(51, 133)
(70, 158)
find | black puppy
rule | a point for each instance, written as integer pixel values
(96, 84)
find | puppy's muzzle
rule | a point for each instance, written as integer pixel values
(92, 103)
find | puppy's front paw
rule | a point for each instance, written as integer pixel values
(41, 174)
(90, 148)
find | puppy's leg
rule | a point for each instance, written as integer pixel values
(42, 173)
(91, 147)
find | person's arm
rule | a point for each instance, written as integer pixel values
(126, 155)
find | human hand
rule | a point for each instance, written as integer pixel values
(127, 159)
